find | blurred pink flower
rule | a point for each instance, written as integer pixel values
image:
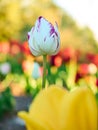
(41, 71)
(5, 68)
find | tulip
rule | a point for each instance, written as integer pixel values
(44, 39)
(55, 108)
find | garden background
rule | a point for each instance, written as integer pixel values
(75, 65)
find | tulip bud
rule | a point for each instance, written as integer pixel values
(44, 38)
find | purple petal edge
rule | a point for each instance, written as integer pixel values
(39, 22)
(53, 30)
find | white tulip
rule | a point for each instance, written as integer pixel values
(44, 38)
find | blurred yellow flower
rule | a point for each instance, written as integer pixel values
(55, 108)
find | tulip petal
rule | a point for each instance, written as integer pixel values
(47, 102)
(32, 43)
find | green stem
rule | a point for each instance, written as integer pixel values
(44, 71)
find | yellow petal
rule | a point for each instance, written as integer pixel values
(44, 110)
(31, 123)
(79, 110)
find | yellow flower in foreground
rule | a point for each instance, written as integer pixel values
(55, 108)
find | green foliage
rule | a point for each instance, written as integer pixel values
(67, 22)
(32, 89)
(96, 97)
(15, 65)
(6, 102)
(64, 75)
(71, 74)
(23, 32)
(87, 37)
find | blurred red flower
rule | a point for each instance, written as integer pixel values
(93, 58)
(97, 82)
(15, 47)
(58, 61)
(83, 69)
(52, 58)
(25, 48)
(68, 53)
(89, 56)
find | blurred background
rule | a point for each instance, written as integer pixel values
(75, 65)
